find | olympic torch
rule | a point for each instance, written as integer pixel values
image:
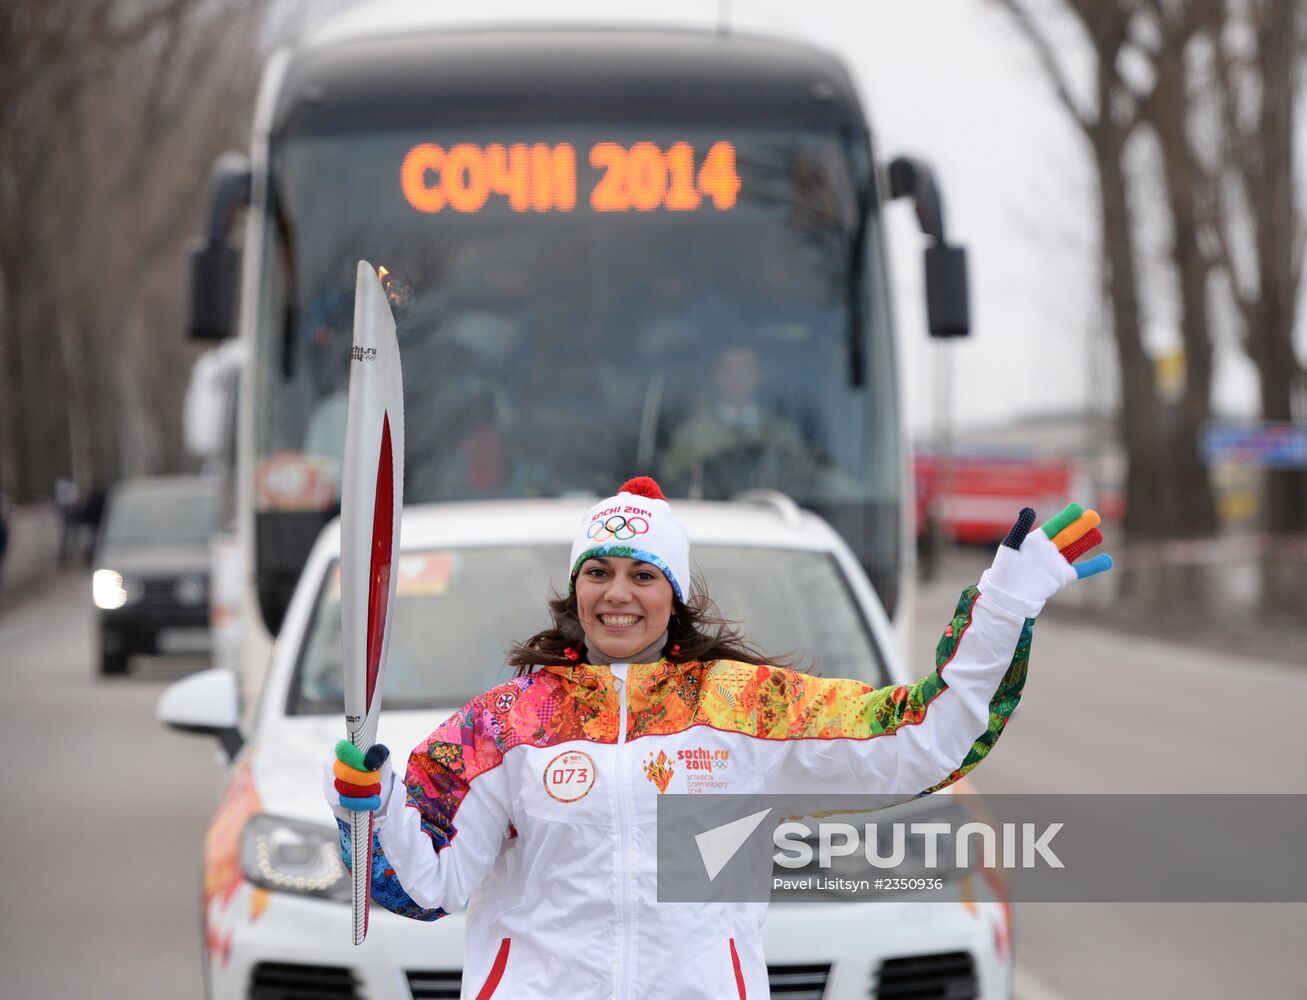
(372, 495)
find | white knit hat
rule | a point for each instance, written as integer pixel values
(637, 523)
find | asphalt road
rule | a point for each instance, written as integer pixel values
(105, 811)
(1109, 713)
(104, 815)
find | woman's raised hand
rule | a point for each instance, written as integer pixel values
(1035, 565)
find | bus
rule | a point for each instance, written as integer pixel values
(610, 251)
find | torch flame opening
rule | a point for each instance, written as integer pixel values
(397, 288)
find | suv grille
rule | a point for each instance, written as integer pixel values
(286, 981)
(788, 982)
(798, 982)
(159, 594)
(948, 976)
(435, 984)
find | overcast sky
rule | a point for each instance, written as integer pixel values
(951, 81)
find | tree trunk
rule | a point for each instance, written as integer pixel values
(1192, 504)
(1277, 222)
(1270, 341)
(1140, 412)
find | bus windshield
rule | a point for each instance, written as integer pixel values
(575, 306)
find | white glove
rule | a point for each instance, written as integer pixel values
(1032, 566)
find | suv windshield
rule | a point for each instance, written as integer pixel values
(172, 517)
(459, 610)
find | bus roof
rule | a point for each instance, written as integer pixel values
(532, 75)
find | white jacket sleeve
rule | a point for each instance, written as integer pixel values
(821, 735)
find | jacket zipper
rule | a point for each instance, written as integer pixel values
(623, 835)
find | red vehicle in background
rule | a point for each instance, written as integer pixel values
(971, 499)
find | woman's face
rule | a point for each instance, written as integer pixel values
(624, 604)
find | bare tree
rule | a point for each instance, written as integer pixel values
(1167, 490)
(110, 112)
(1176, 30)
(1149, 77)
(1259, 61)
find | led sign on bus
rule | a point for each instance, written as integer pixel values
(542, 178)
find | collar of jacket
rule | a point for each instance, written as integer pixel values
(640, 675)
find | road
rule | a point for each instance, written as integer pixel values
(105, 810)
(104, 816)
(1110, 713)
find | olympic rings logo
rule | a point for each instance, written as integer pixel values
(616, 526)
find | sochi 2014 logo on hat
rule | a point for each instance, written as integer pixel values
(637, 523)
(570, 776)
(619, 527)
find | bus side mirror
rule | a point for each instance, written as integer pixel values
(213, 289)
(948, 299)
(215, 263)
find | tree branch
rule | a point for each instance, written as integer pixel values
(133, 33)
(1043, 47)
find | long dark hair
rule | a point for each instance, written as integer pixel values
(696, 631)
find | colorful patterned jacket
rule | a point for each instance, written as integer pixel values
(533, 806)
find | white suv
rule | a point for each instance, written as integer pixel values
(473, 578)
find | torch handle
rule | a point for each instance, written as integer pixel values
(361, 843)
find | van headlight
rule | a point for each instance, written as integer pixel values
(110, 590)
(289, 855)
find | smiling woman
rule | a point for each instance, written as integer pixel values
(624, 606)
(534, 805)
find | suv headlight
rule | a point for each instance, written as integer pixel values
(289, 855)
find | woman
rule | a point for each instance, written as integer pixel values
(534, 805)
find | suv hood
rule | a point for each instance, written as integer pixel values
(154, 560)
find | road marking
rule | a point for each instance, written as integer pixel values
(1027, 986)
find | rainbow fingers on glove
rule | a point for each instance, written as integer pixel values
(1075, 532)
(357, 776)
